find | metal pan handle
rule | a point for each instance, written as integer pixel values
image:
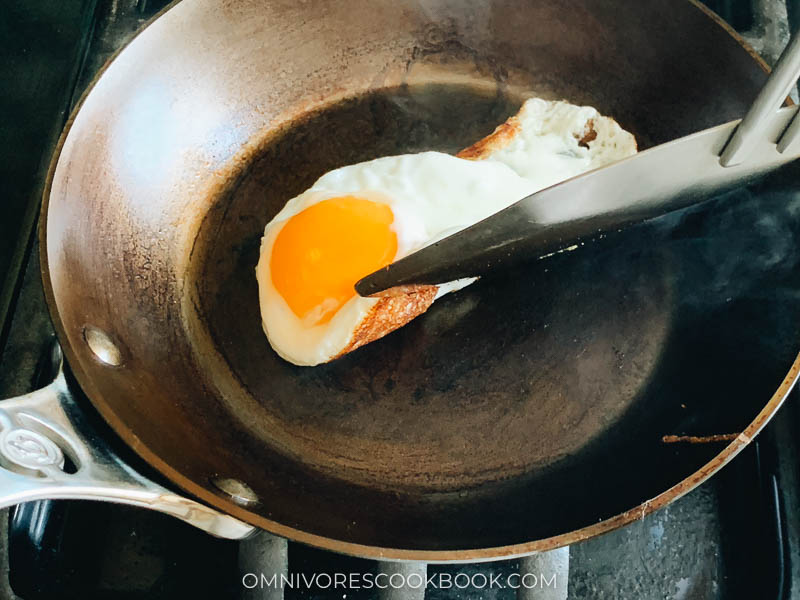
(48, 450)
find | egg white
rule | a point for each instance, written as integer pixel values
(547, 147)
(433, 195)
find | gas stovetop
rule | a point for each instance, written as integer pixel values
(736, 536)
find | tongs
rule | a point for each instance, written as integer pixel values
(649, 184)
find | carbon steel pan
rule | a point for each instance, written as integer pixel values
(522, 413)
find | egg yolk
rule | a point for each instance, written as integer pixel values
(322, 251)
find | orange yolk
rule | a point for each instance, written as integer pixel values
(322, 251)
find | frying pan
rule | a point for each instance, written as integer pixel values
(521, 414)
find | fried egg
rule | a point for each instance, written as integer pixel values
(359, 218)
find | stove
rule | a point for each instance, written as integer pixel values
(736, 536)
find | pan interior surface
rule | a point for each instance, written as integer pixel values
(530, 404)
(517, 387)
(498, 381)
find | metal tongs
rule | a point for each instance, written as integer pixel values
(647, 185)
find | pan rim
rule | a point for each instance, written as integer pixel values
(188, 486)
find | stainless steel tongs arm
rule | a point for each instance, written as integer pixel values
(764, 107)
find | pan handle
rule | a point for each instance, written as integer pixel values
(48, 450)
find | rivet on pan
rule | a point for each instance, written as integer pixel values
(238, 491)
(102, 346)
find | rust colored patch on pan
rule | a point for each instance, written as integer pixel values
(699, 439)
